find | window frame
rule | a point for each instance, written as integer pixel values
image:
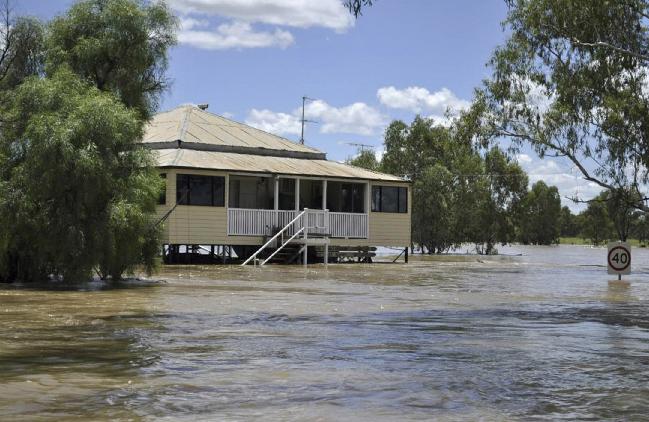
(183, 179)
(377, 200)
(162, 197)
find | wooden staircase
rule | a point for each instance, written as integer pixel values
(282, 246)
(289, 254)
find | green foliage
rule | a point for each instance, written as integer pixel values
(596, 223)
(21, 54)
(118, 45)
(541, 215)
(433, 210)
(366, 159)
(640, 227)
(569, 223)
(570, 81)
(72, 180)
(459, 194)
(502, 189)
(77, 193)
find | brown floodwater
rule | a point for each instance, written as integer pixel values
(538, 336)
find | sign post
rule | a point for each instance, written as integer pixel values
(619, 259)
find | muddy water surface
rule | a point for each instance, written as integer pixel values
(538, 336)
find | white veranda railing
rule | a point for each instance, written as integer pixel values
(253, 222)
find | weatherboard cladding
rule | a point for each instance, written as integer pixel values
(188, 137)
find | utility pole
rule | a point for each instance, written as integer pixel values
(303, 120)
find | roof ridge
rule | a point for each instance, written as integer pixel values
(252, 127)
(183, 125)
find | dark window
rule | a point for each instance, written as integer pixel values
(358, 198)
(218, 191)
(233, 195)
(403, 200)
(200, 190)
(352, 197)
(389, 199)
(182, 189)
(286, 194)
(162, 199)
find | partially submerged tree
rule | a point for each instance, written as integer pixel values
(504, 186)
(72, 179)
(461, 194)
(596, 222)
(541, 215)
(77, 191)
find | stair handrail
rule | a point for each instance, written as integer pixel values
(282, 245)
(253, 256)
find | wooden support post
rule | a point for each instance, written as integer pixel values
(324, 194)
(305, 225)
(297, 194)
(276, 202)
(368, 197)
(326, 254)
(406, 255)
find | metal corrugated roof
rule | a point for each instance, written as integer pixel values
(213, 160)
(189, 124)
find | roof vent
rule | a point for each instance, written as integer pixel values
(203, 106)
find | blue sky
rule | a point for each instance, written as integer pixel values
(253, 60)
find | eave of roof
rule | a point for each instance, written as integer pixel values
(249, 163)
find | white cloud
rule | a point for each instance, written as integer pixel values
(231, 35)
(418, 100)
(568, 181)
(188, 23)
(294, 13)
(523, 159)
(277, 123)
(356, 118)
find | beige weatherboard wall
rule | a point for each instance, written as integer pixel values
(191, 141)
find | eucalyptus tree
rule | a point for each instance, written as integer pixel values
(596, 224)
(461, 193)
(541, 215)
(503, 187)
(571, 81)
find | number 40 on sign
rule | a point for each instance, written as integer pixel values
(619, 258)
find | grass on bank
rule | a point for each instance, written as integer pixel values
(586, 242)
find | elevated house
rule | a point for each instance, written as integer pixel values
(233, 188)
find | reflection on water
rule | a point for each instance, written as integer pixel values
(543, 335)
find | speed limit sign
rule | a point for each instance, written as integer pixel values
(619, 258)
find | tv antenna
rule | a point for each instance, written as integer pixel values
(303, 120)
(361, 147)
